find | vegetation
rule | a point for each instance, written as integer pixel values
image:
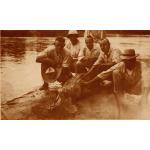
(52, 33)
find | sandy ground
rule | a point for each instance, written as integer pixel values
(93, 107)
(101, 106)
(105, 107)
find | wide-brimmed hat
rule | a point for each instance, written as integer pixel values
(73, 32)
(128, 54)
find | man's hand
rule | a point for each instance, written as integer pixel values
(90, 71)
(106, 83)
(83, 83)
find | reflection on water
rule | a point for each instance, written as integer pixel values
(140, 44)
(16, 47)
(19, 71)
(9, 47)
(21, 74)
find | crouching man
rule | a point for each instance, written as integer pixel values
(58, 59)
(107, 58)
(74, 46)
(129, 76)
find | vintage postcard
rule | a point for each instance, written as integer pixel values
(75, 74)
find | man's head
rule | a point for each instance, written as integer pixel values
(89, 42)
(105, 45)
(73, 36)
(128, 56)
(59, 43)
(130, 63)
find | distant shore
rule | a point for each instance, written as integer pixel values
(53, 33)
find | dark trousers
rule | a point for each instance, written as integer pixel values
(64, 76)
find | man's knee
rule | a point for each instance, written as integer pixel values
(44, 68)
(79, 67)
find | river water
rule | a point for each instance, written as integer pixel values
(19, 71)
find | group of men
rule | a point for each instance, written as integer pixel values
(96, 59)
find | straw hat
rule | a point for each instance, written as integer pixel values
(72, 32)
(128, 54)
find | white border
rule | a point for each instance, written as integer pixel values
(67, 14)
(81, 15)
(74, 135)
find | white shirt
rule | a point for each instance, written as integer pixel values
(93, 53)
(74, 49)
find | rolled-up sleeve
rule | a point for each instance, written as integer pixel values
(44, 53)
(116, 56)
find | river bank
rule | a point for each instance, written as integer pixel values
(21, 74)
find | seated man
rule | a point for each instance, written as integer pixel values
(129, 76)
(87, 56)
(107, 58)
(73, 44)
(55, 56)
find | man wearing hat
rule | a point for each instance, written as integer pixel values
(55, 62)
(128, 76)
(73, 44)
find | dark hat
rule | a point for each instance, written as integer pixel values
(128, 54)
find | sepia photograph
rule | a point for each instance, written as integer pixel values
(75, 74)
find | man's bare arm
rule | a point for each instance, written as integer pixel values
(43, 58)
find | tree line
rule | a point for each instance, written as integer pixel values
(53, 33)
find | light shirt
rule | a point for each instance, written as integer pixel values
(74, 49)
(138, 76)
(61, 59)
(113, 56)
(86, 52)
